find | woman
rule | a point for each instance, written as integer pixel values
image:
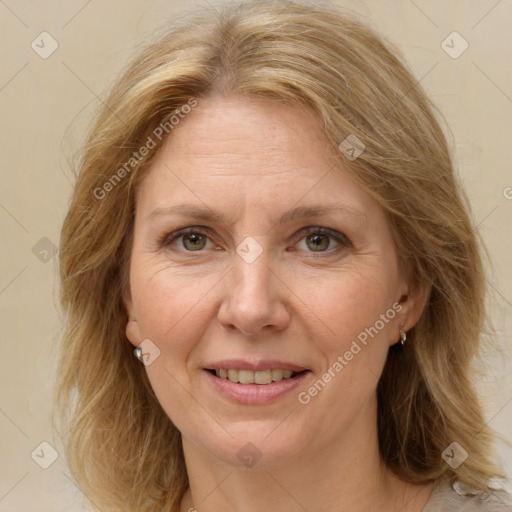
(272, 286)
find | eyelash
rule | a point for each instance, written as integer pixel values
(339, 238)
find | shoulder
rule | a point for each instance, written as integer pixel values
(448, 497)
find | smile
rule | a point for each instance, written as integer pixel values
(254, 387)
(254, 377)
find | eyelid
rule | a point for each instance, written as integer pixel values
(339, 237)
(168, 238)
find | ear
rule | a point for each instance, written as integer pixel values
(413, 300)
(132, 325)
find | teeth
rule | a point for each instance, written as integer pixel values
(246, 376)
(277, 374)
(251, 377)
(263, 377)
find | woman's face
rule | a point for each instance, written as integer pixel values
(253, 250)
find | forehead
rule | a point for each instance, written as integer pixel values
(263, 153)
(234, 133)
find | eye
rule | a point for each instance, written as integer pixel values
(318, 241)
(192, 239)
(315, 240)
(322, 240)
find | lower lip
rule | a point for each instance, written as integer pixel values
(255, 393)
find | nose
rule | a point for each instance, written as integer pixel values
(255, 298)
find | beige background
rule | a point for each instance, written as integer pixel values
(45, 105)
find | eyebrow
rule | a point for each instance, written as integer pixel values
(317, 211)
(300, 212)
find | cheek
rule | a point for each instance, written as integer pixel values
(353, 302)
(172, 313)
(171, 307)
(357, 315)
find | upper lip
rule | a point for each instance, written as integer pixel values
(264, 364)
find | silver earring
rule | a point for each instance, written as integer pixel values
(403, 337)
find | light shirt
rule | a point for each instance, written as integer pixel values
(457, 497)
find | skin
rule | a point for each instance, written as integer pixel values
(251, 161)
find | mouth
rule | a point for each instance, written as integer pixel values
(254, 382)
(262, 377)
(264, 383)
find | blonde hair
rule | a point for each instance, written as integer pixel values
(122, 448)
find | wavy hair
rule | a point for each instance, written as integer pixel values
(122, 448)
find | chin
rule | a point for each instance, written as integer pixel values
(255, 445)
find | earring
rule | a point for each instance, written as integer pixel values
(403, 337)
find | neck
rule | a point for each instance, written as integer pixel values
(340, 474)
